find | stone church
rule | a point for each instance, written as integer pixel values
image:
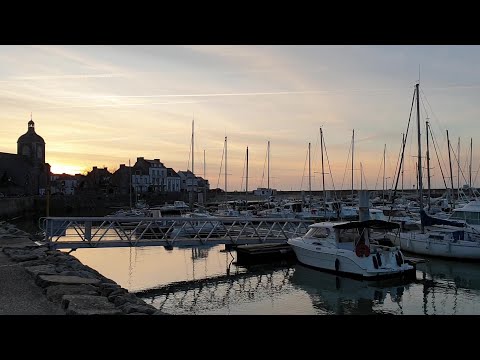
(25, 173)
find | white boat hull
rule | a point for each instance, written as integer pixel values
(422, 245)
(346, 262)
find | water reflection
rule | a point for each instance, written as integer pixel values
(224, 294)
(449, 287)
(332, 294)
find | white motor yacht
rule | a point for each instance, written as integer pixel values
(346, 248)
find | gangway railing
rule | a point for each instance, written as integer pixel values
(109, 231)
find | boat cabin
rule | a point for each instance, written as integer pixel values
(470, 213)
(348, 235)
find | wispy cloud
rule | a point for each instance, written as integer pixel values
(70, 76)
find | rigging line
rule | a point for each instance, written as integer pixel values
(378, 175)
(221, 165)
(189, 154)
(443, 144)
(346, 165)
(243, 172)
(264, 164)
(397, 166)
(440, 126)
(330, 170)
(403, 153)
(304, 166)
(389, 162)
(314, 158)
(476, 174)
(365, 180)
(438, 158)
(456, 158)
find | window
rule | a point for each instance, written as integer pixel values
(319, 233)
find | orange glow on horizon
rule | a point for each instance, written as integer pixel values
(67, 169)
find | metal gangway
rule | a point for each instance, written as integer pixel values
(109, 231)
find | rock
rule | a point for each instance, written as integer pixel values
(20, 258)
(55, 293)
(107, 289)
(127, 298)
(49, 280)
(116, 293)
(130, 308)
(88, 305)
(37, 262)
(160, 312)
(41, 270)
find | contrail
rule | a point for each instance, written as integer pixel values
(195, 95)
(117, 105)
(72, 76)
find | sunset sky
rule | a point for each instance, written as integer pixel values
(103, 105)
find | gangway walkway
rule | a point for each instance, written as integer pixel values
(109, 231)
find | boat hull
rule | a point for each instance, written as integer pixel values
(346, 263)
(422, 245)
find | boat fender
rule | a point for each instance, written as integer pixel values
(375, 262)
(337, 264)
(400, 256)
(399, 259)
(362, 250)
(379, 259)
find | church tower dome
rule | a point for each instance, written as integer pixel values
(31, 144)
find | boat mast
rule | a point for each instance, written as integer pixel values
(193, 163)
(309, 179)
(130, 182)
(204, 178)
(458, 169)
(427, 124)
(451, 173)
(268, 165)
(470, 167)
(403, 142)
(420, 187)
(353, 143)
(323, 175)
(383, 182)
(246, 185)
(226, 197)
(361, 176)
(193, 150)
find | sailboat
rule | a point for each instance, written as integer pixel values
(437, 237)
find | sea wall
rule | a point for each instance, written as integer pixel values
(16, 206)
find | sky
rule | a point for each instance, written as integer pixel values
(107, 105)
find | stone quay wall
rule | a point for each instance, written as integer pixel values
(75, 287)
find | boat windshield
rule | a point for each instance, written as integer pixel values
(319, 233)
(470, 217)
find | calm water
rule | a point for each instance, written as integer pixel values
(208, 281)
